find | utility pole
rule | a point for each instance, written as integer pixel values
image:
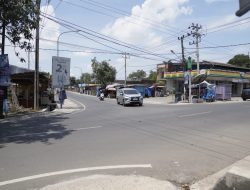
(125, 59)
(29, 59)
(183, 62)
(195, 32)
(36, 73)
(3, 89)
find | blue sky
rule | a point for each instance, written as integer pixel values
(148, 27)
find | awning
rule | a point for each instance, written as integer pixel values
(113, 85)
(111, 89)
(199, 78)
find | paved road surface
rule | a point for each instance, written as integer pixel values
(181, 144)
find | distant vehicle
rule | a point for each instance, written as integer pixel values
(245, 94)
(128, 96)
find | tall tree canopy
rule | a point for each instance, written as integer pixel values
(20, 19)
(103, 73)
(152, 75)
(86, 77)
(240, 60)
(137, 75)
(72, 81)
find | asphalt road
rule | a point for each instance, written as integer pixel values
(178, 143)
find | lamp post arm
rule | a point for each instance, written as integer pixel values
(59, 38)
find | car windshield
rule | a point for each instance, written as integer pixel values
(130, 92)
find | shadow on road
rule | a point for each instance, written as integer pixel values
(34, 129)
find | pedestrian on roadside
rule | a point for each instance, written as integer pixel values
(5, 107)
(62, 97)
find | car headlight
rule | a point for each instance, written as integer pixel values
(126, 98)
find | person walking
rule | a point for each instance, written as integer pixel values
(5, 107)
(62, 97)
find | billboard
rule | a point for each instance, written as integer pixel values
(60, 71)
(4, 70)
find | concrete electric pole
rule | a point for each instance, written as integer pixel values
(196, 34)
(36, 73)
(125, 60)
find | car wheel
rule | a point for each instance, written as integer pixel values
(244, 99)
(140, 104)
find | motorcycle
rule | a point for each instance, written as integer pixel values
(101, 97)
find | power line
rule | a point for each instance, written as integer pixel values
(70, 44)
(101, 36)
(229, 23)
(229, 51)
(138, 56)
(75, 51)
(125, 13)
(143, 65)
(43, 22)
(223, 46)
(226, 25)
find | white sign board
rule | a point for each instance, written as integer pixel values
(203, 71)
(60, 71)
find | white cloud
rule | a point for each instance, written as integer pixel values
(222, 20)
(82, 54)
(137, 29)
(49, 29)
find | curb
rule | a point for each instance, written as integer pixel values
(235, 176)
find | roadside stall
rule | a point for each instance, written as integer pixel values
(23, 84)
(110, 90)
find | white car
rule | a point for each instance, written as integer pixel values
(128, 96)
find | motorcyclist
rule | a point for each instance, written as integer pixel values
(101, 97)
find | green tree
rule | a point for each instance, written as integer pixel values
(19, 19)
(72, 81)
(240, 60)
(86, 77)
(137, 75)
(103, 73)
(152, 75)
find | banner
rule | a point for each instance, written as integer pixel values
(4, 70)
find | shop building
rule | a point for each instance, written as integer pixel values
(216, 73)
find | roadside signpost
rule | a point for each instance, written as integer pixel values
(60, 71)
(60, 75)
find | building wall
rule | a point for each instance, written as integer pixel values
(175, 81)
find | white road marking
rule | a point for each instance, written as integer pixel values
(84, 107)
(195, 114)
(73, 171)
(81, 110)
(78, 129)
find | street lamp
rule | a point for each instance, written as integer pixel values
(80, 69)
(60, 36)
(81, 75)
